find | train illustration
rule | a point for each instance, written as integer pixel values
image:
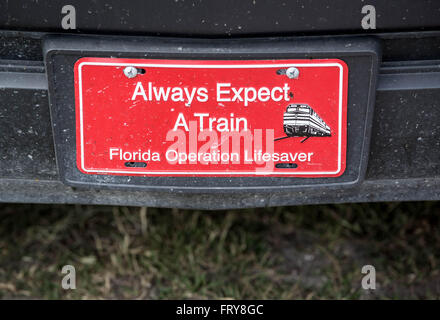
(300, 120)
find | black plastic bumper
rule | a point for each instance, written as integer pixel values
(403, 161)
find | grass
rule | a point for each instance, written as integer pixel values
(306, 252)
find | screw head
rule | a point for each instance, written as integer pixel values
(130, 72)
(292, 73)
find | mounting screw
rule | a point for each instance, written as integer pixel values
(292, 73)
(130, 72)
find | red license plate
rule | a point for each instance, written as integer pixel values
(211, 118)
